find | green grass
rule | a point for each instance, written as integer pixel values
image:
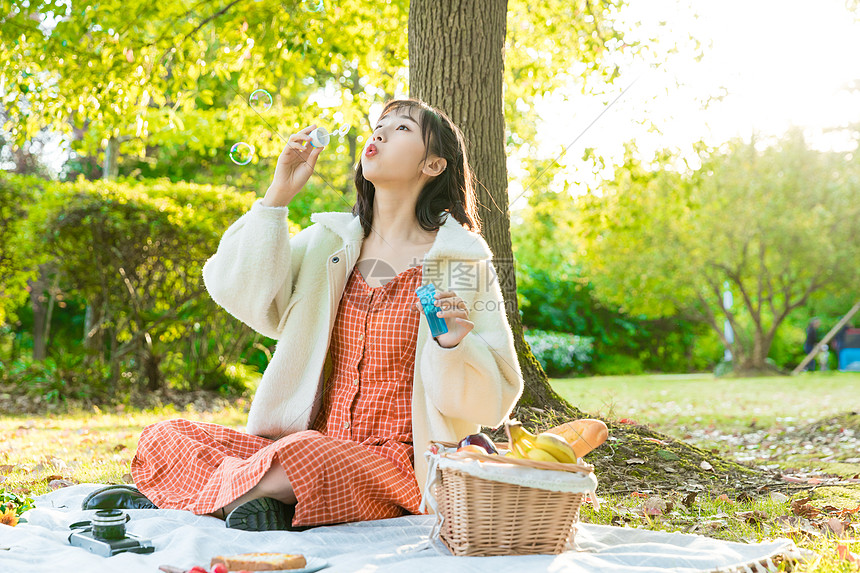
(84, 447)
(672, 403)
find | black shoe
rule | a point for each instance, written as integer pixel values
(263, 514)
(117, 497)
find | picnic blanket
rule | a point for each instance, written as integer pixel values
(402, 544)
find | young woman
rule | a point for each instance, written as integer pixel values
(357, 386)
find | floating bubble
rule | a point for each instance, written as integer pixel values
(260, 100)
(313, 5)
(344, 129)
(241, 153)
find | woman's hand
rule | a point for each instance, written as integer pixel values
(453, 310)
(294, 168)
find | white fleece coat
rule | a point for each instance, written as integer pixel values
(289, 289)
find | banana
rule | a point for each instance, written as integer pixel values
(556, 446)
(522, 441)
(545, 447)
(541, 455)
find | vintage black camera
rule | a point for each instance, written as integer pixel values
(105, 535)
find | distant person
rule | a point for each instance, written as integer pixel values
(839, 339)
(811, 340)
(839, 342)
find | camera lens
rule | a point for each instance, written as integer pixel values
(109, 524)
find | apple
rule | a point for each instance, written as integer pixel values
(482, 440)
(472, 448)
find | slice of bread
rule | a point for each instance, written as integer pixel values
(260, 561)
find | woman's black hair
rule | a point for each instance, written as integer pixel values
(452, 191)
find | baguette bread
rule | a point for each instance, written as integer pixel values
(260, 561)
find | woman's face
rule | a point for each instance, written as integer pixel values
(395, 152)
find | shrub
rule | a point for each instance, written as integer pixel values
(618, 365)
(560, 353)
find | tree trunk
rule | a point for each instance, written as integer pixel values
(111, 164)
(39, 303)
(456, 63)
(93, 338)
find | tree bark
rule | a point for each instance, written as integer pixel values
(456, 63)
(39, 302)
(111, 164)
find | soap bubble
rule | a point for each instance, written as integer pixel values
(241, 153)
(313, 5)
(260, 100)
(344, 129)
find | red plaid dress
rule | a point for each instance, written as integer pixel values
(355, 464)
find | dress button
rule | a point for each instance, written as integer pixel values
(335, 259)
(346, 425)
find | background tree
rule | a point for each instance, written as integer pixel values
(775, 225)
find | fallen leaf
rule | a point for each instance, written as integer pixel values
(6, 468)
(58, 483)
(655, 440)
(706, 466)
(793, 525)
(126, 478)
(833, 525)
(753, 517)
(52, 478)
(689, 499)
(725, 498)
(60, 464)
(803, 508)
(845, 555)
(635, 461)
(654, 506)
(778, 497)
(667, 455)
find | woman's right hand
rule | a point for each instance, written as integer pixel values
(294, 168)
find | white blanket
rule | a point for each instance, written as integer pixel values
(183, 539)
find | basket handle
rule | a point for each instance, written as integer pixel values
(556, 466)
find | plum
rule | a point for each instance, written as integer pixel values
(482, 440)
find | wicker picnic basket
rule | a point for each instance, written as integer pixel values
(481, 517)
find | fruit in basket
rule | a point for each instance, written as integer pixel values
(557, 447)
(540, 455)
(521, 439)
(481, 440)
(473, 448)
(583, 435)
(545, 446)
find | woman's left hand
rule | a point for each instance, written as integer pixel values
(453, 309)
